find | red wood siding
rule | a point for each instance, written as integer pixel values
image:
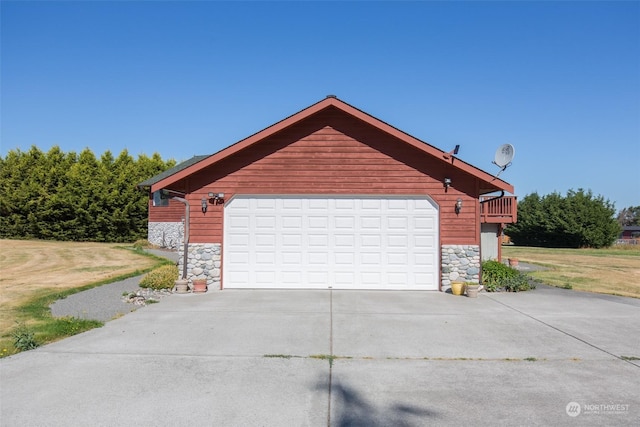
(172, 213)
(333, 153)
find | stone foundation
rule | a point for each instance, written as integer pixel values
(460, 263)
(203, 262)
(166, 234)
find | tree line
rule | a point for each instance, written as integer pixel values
(71, 196)
(577, 220)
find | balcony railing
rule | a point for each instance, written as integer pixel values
(502, 210)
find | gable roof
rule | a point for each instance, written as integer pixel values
(491, 182)
(170, 172)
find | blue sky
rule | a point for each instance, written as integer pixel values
(558, 80)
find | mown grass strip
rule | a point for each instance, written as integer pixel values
(33, 318)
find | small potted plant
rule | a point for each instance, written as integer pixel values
(200, 285)
(457, 288)
(181, 286)
(472, 289)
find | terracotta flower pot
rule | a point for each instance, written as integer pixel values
(199, 286)
(513, 262)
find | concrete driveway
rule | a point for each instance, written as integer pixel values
(340, 358)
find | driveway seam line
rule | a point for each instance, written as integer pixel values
(564, 332)
(330, 356)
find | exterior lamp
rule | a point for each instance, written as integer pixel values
(216, 198)
(447, 183)
(204, 205)
(458, 205)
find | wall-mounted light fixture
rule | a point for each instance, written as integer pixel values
(216, 198)
(458, 206)
(447, 183)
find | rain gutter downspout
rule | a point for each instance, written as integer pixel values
(186, 229)
(186, 235)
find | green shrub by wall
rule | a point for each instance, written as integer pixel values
(497, 276)
(160, 278)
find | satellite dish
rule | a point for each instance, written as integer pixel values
(504, 156)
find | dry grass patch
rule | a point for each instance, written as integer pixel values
(613, 271)
(30, 266)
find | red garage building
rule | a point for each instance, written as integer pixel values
(331, 197)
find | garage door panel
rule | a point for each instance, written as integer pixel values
(344, 242)
(265, 240)
(344, 222)
(371, 204)
(370, 223)
(345, 204)
(265, 223)
(265, 257)
(397, 240)
(291, 258)
(397, 259)
(265, 278)
(344, 258)
(318, 223)
(344, 278)
(318, 278)
(240, 258)
(318, 241)
(318, 258)
(291, 241)
(370, 258)
(290, 222)
(397, 279)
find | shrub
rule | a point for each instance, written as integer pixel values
(518, 283)
(23, 338)
(160, 278)
(495, 274)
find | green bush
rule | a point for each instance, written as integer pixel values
(495, 274)
(521, 282)
(23, 338)
(160, 278)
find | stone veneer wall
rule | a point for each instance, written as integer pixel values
(166, 234)
(460, 263)
(203, 262)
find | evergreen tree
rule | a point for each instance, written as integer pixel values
(75, 197)
(575, 221)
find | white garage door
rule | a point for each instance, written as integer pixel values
(320, 242)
